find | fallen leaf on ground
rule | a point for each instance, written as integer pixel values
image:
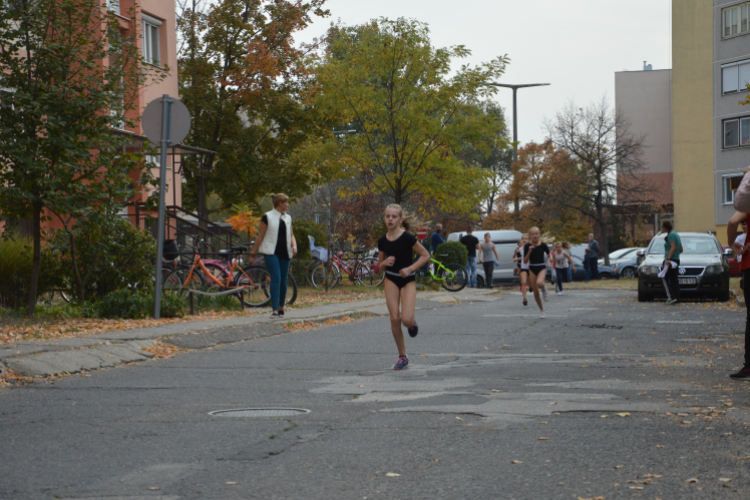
(660, 446)
(619, 466)
(622, 414)
(154, 488)
(516, 462)
(459, 418)
(231, 482)
(642, 393)
(604, 416)
(542, 422)
(652, 475)
(495, 390)
(543, 439)
(692, 480)
(392, 474)
(725, 479)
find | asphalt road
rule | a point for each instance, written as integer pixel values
(496, 404)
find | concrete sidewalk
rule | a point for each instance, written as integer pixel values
(92, 352)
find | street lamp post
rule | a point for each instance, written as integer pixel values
(515, 88)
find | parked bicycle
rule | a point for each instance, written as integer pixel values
(213, 276)
(452, 277)
(365, 272)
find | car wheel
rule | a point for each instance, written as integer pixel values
(605, 277)
(480, 282)
(645, 297)
(628, 272)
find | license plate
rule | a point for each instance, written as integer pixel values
(687, 281)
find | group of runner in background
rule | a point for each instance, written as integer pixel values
(531, 259)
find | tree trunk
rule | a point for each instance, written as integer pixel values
(37, 259)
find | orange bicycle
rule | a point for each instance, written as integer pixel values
(254, 280)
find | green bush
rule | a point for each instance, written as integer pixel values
(16, 257)
(138, 304)
(304, 228)
(110, 254)
(456, 253)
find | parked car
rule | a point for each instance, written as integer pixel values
(703, 271)
(628, 266)
(506, 242)
(621, 254)
(605, 272)
(734, 266)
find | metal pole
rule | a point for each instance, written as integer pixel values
(166, 115)
(516, 201)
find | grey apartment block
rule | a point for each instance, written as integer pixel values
(731, 71)
(645, 100)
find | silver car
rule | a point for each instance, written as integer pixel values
(506, 242)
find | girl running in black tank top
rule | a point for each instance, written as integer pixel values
(395, 254)
(535, 255)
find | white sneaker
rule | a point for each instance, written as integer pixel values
(561, 292)
(544, 294)
(542, 315)
(558, 293)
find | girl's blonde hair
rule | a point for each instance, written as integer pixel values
(278, 198)
(410, 222)
(566, 245)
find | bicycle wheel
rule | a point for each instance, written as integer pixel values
(320, 279)
(291, 287)
(257, 283)
(217, 272)
(369, 272)
(175, 282)
(454, 278)
(309, 271)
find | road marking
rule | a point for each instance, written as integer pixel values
(530, 315)
(670, 322)
(583, 309)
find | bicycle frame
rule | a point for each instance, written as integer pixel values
(223, 283)
(440, 267)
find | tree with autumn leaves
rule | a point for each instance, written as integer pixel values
(403, 115)
(248, 89)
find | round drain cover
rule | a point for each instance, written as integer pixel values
(260, 412)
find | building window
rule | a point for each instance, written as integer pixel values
(151, 51)
(736, 20)
(731, 183)
(735, 76)
(737, 132)
(113, 6)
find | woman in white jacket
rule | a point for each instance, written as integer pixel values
(277, 244)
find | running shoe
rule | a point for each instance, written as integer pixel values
(281, 314)
(402, 363)
(542, 315)
(744, 373)
(413, 329)
(544, 294)
(670, 302)
(525, 302)
(274, 315)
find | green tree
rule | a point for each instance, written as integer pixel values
(72, 77)
(247, 88)
(388, 83)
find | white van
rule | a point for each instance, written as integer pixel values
(506, 242)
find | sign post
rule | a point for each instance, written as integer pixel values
(422, 233)
(166, 121)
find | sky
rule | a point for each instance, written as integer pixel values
(575, 45)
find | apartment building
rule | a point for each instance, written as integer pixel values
(711, 129)
(645, 100)
(731, 120)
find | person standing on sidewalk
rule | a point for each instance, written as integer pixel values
(276, 242)
(535, 255)
(563, 262)
(436, 238)
(396, 253)
(592, 256)
(741, 249)
(487, 260)
(672, 251)
(472, 245)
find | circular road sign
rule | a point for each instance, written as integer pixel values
(179, 123)
(422, 233)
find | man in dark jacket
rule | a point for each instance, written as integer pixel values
(592, 256)
(471, 243)
(436, 238)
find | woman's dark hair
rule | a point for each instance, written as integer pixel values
(667, 225)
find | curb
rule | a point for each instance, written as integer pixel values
(740, 300)
(68, 356)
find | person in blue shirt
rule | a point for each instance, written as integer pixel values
(436, 238)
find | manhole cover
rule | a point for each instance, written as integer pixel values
(260, 412)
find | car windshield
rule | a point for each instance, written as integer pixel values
(691, 245)
(617, 254)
